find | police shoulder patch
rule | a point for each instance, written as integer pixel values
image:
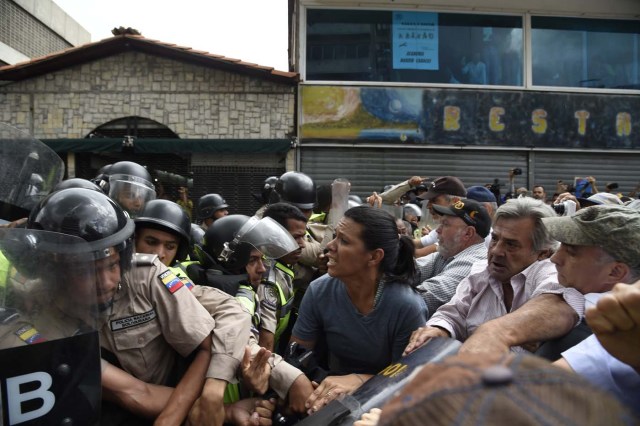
(270, 297)
(171, 281)
(28, 334)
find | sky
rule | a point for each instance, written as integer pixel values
(251, 30)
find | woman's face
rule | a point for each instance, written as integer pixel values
(347, 255)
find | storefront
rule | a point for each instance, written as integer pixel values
(470, 90)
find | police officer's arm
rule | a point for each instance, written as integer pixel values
(266, 339)
(134, 395)
(189, 389)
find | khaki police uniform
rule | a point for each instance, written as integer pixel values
(230, 334)
(20, 330)
(276, 298)
(154, 316)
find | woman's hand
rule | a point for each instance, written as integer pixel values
(331, 388)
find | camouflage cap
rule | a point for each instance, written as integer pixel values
(615, 229)
(501, 389)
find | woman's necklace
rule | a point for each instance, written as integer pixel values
(378, 295)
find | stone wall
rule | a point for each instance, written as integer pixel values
(192, 100)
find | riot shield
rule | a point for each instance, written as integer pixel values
(29, 170)
(382, 387)
(49, 347)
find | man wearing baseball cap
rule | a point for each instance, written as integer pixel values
(443, 191)
(461, 234)
(600, 248)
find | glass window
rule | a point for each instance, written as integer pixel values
(403, 46)
(575, 52)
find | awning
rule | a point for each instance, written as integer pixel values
(166, 146)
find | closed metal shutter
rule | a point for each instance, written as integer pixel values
(623, 168)
(369, 169)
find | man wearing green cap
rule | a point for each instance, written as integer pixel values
(600, 248)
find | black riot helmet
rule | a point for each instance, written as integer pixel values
(169, 217)
(76, 183)
(267, 187)
(209, 204)
(295, 188)
(102, 178)
(131, 186)
(223, 231)
(90, 215)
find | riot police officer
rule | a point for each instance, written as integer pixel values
(277, 290)
(131, 186)
(148, 319)
(230, 257)
(210, 208)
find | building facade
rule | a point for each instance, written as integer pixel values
(30, 28)
(468, 88)
(183, 114)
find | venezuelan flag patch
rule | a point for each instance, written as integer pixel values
(170, 281)
(29, 335)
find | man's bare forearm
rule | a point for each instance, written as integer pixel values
(542, 318)
(189, 387)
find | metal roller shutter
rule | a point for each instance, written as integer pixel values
(369, 169)
(623, 168)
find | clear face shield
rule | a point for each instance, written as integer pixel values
(49, 287)
(266, 235)
(131, 193)
(49, 342)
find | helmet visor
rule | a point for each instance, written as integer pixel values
(268, 236)
(52, 285)
(131, 194)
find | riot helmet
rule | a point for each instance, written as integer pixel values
(230, 240)
(102, 178)
(197, 235)
(131, 186)
(222, 231)
(295, 188)
(76, 183)
(197, 240)
(167, 216)
(209, 204)
(89, 215)
(267, 187)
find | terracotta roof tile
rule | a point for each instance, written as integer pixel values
(112, 45)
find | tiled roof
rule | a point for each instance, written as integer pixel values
(121, 43)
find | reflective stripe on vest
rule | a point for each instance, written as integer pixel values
(284, 311)
(246, 295)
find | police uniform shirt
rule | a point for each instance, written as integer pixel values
(154, 315)
(17, 329)
(230, 334)
(269, 297)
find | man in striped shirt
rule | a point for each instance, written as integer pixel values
(461, 233)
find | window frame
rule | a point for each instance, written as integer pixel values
(527, 54)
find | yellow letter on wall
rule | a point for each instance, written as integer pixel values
(451, 118)
(623, 124)
(495, 114)
(539, 119)
(582, 117)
